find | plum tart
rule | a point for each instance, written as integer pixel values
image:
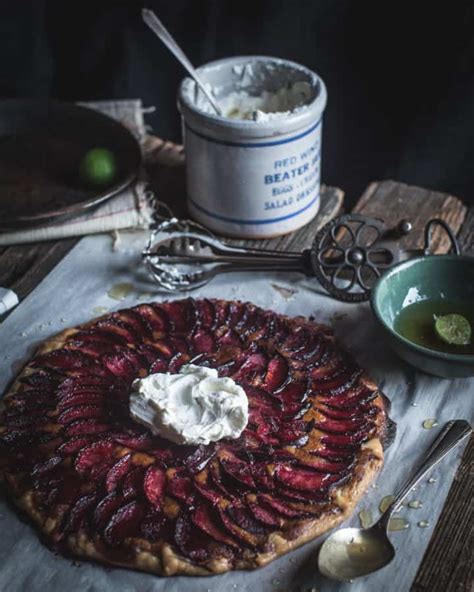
(99, 485)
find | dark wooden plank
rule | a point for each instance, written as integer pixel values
(448, 564)
(393, 201)
(22, 267)
(466, 235)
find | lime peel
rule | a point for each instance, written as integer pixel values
(453, 329)
(98, 167)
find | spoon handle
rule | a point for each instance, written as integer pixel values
(162, 32)
(453, 433)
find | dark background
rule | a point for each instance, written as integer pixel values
(400, 75)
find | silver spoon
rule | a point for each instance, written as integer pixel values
(354, 552)
(162, 32)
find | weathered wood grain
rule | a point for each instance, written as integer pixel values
(448, 564)
(22, 267)
(466, 235)
(393, 201)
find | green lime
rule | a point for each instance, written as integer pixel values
(453, 329)
(98, 167)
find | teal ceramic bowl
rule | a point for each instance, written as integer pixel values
(436, 277)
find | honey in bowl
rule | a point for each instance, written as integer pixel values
(417, 323)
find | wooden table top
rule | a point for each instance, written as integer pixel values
(448, 564)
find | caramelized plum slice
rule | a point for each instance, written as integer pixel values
(73, 445)
(265, 515)
(191, 543)
(283, 508)
(154, 317)
(304, 479)
(246, 538)
(81, 398)
(198, 459)
(154, 485)
(180, 486)
(153, 525)
(106, 508)
(117, 472)
(244, 519)
(206, 521)
(238, 470)
(133, 482)
(124, 523)
(277, 373)
(65, 359)
(81, 512)
(203, 342)
(94, 454)
(206, 313)
(86, 426)
(80, 412)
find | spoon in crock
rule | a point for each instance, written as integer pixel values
(350, 553)
(162, 32)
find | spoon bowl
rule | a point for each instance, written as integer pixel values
(354, 552)
(350, 553)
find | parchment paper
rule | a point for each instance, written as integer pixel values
(71, 293)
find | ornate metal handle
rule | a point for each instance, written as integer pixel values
(429, 236)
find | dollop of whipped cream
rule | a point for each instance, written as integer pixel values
(192, 407)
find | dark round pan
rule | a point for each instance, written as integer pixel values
(41, 146)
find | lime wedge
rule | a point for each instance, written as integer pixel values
(453, 329)
(98, 167)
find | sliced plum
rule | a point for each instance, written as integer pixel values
(154, 485)
(80, 412)
(303, 478)
(192, 543)
(80, 398)
(124, 523)
(153, 525)
(265, 515)
(180, 486)
(154, 317)
(182, 314)
(206, 520)
(206, 313)
(117, 472)
(132, 485)
(96, 453)
(83, 427)
(75, 444)
(199, 458)
(277, 373)
(81, 512)
(203, 342)
(249, 539)
(243, 518)
(106, 508)
(65, 359)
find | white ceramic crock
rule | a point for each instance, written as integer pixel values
(252, 179)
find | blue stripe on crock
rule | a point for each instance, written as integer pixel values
(256, 144)
(237, 221)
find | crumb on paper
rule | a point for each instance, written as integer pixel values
(339, 316)
(286, 293)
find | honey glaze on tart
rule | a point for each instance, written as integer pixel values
(100, 485)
